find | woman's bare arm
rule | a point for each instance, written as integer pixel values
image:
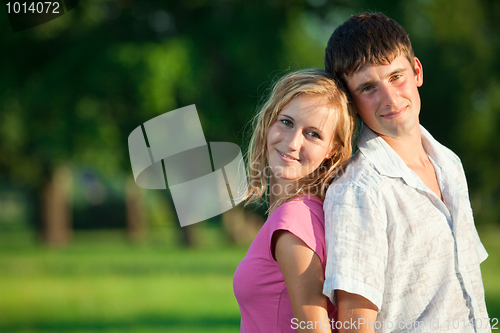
(304, 278)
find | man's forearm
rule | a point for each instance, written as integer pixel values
(355, 313)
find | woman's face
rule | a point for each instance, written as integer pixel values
(301, 138)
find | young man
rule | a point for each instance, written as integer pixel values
(403, 253)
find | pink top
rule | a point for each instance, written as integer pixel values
(258, 284)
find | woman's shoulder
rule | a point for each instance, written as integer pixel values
(302, 208)
(304, 202)
(304, 218)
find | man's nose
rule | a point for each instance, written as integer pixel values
(388, 94)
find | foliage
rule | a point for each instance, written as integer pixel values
(73, 89)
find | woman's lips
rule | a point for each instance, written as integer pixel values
(286, 157)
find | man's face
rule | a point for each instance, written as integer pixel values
(386, 96)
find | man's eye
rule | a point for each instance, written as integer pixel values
(367, 88)
(396, 77)
(286, 122)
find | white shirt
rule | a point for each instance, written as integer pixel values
(391, 240)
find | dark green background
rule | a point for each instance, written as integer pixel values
(73, 89)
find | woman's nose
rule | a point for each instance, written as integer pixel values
(294, 140)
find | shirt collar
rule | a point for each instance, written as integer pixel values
(388, 163)
(439, 153)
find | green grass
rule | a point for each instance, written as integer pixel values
(115, 287)
(101, 283)
(490, 270)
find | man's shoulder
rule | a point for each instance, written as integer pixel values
(445, 158)
(357, 191)
(449, 155)
(359, 173)
(441, 151)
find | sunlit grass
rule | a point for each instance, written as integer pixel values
(101, 283)
(116, 287)
(490, 269)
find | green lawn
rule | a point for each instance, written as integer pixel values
(100, 283)
(111, 286)
(490, 270)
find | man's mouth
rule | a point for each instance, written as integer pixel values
(395, 114)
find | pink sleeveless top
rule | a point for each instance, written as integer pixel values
(258, 284)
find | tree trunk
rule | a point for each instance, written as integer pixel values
(241, 226)
(187, 233)
(137, 226)
(56, 207)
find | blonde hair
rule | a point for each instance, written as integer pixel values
(303, 82)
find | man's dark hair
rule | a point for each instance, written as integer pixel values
(366, 37)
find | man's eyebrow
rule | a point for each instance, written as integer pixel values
(362, 85)
(398, 70)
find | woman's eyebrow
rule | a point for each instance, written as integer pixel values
(315, 129)
(285, 115)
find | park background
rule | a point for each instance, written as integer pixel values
(83, 249)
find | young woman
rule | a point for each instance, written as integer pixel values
(302, 137)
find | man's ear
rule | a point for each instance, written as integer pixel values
(419, 72)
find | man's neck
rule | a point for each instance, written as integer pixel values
(412, 152)
(409, 148)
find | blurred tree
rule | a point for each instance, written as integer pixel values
(73, 89)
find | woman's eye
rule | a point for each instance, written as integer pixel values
(314, 134)
(286, 122)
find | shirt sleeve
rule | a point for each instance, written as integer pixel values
(356, 244)
(304, 219)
